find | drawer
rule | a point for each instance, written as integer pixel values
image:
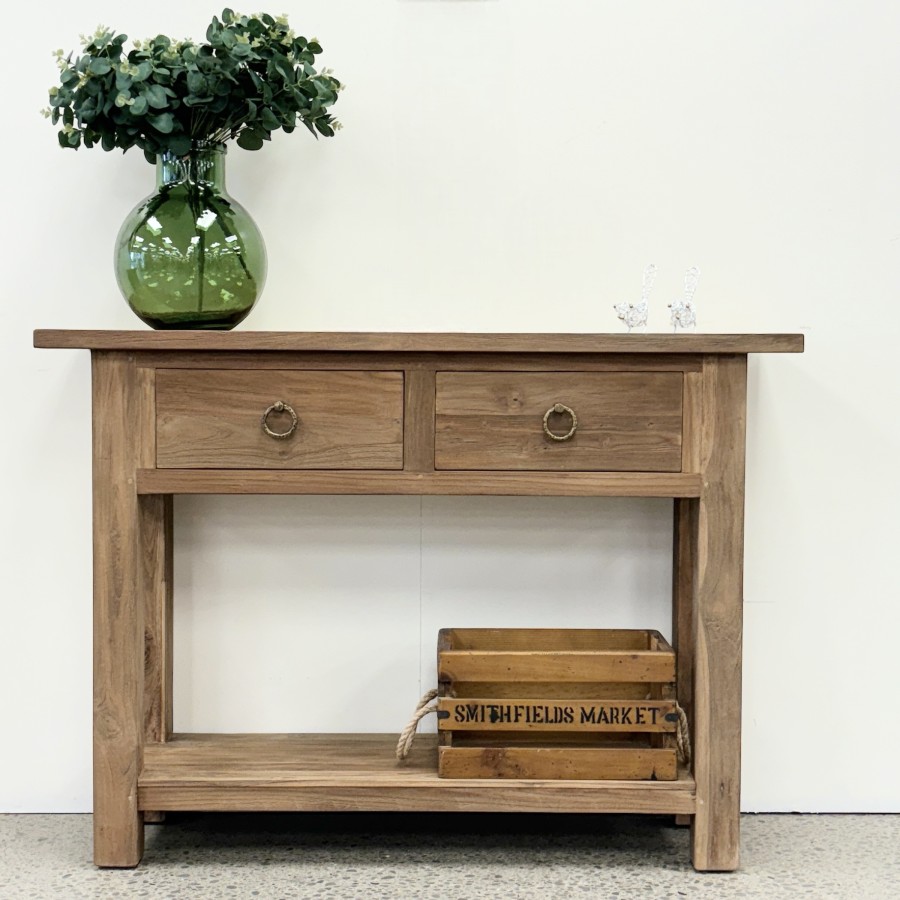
(626, 421)
(213, 419)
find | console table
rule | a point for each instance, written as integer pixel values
(504, 414)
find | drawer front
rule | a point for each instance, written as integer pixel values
(626, 421)
(213, 419)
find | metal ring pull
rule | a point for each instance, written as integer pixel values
(279, 406)
(559, 409)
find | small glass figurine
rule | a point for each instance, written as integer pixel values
(682, 311)
(634, 315)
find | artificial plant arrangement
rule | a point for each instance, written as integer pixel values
(253, 76)
(189, 255)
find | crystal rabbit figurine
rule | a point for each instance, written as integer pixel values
(683, 313)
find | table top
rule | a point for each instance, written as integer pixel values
(416, 342)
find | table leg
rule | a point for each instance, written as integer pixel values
(683, 578)
(156, 589)
(118, 613)
(717, 627)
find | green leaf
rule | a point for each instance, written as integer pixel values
(180, 144)
(227, 16)
(196, 83)
(270, 121)
(163, 123)
(99, 65)
(108, 142)
(249, 140)
(314, 47)
(156, 97)
(139, 107)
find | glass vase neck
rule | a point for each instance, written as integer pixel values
(203, 165)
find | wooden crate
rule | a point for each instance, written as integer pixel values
(556, 703)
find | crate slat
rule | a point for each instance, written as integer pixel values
(630, 764)
(470, 714)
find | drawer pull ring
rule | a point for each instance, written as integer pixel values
(560, 408)
(279, 406)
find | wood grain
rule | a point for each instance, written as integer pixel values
(154, 576)
(684, 579)
(556, 484)
(118, 612)
(627, 421)
(560, 690)
(212, 418)
(718, 599)
(527, 666)
(418, 416)
(419, 342)
(155, 586)
(551, 639)
(629, 764)
(418, 359)
(359, 772)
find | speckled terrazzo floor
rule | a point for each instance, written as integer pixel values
(361, 856)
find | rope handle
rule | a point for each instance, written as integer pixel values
(683, 737)
(425, 707)
(409, 732)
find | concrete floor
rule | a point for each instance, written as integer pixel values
(453, 858)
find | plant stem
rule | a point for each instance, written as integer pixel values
(213, 203)
(193, 201)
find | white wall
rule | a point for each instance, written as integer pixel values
(505, 165)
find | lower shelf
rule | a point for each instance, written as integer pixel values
(358, 772)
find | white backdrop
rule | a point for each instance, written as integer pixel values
(506, 165)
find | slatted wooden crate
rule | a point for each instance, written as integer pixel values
(556, 703)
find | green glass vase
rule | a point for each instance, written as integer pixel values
(189, 256)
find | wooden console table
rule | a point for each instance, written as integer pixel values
(207, 413)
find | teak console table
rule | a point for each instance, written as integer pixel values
(293, 413)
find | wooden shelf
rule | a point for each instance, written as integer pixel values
(358, 772)
(557, 484)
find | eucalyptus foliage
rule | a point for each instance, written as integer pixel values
(253, 76)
